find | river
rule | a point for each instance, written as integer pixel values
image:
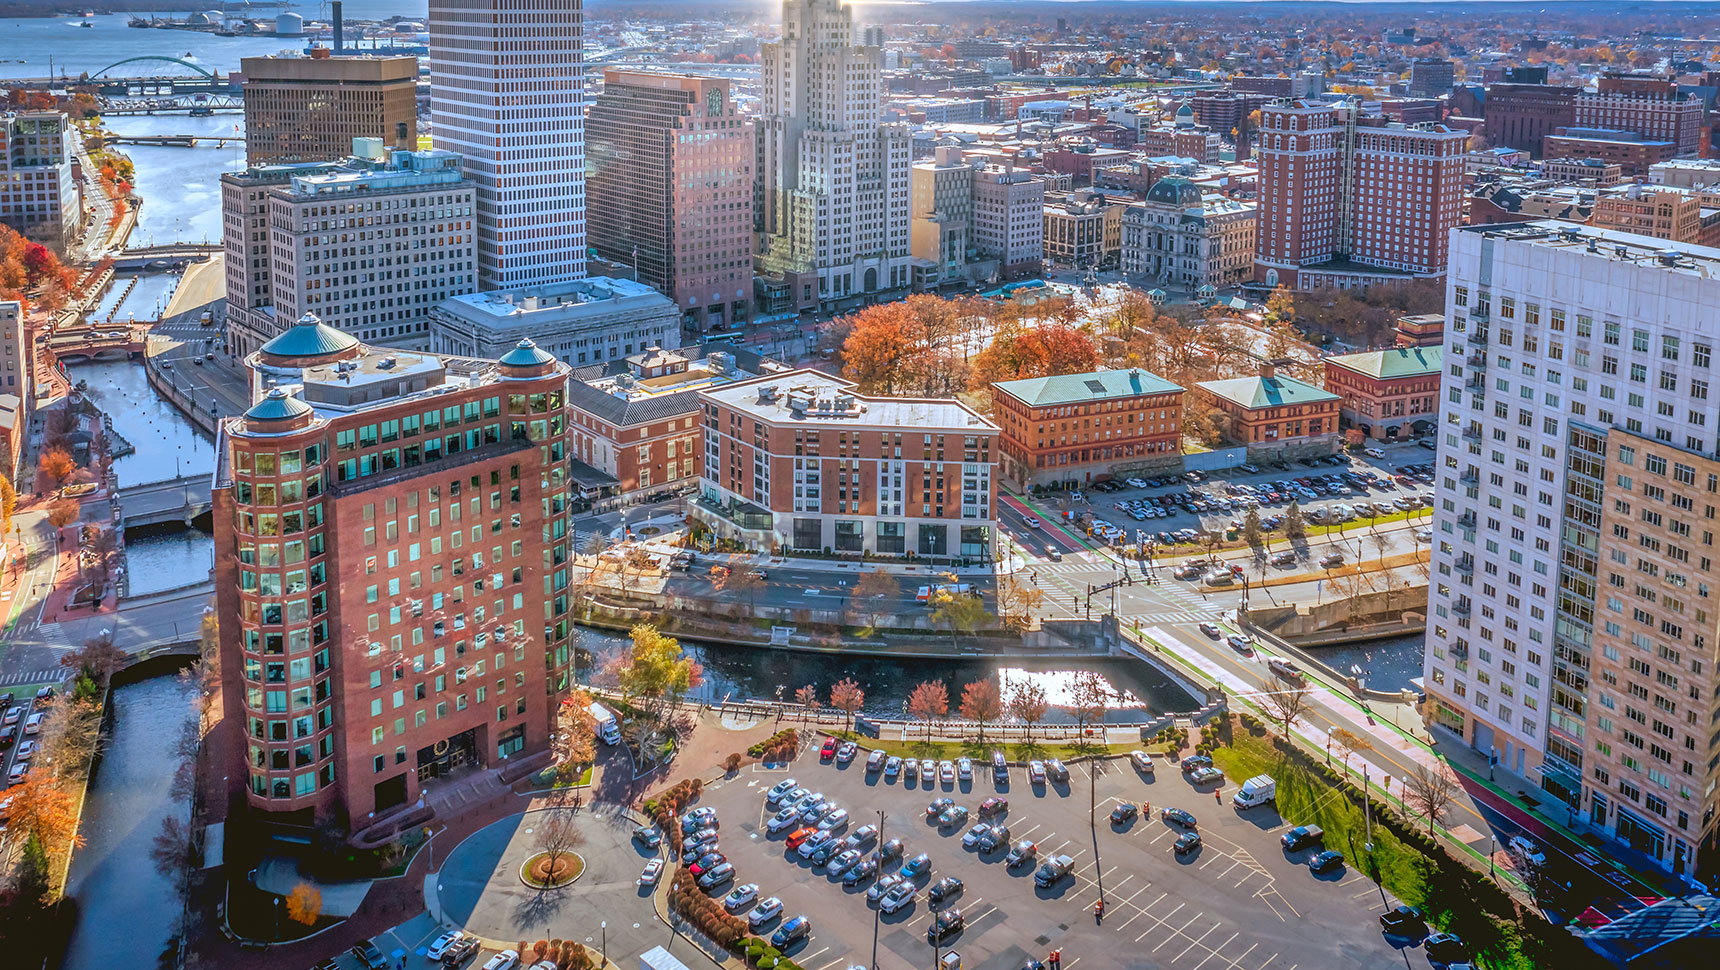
(126, 910)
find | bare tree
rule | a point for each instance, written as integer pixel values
(807, 698)
(1088, 697)
(743, 582)
(633, 566)
(1349, 742)
(872, 594)
(1017, 601)
(1285, 706)
(847, 697)
(555, 836)
(1430, 793)
(1027, 703)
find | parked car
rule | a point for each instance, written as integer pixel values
(1302, 835)
(1178, 816)
(945, 923)
(943, 889)
(1022, 852)
(860, 871)
(652, 872)
(1036, 772)
(1205, 776)
(741, 896)
(1186, 843)
(796, 929)
(882, 887)
(717, 876)
(648, 836)
(442, 944)
(899, 897)
(995, 805)
(975, 835)
(460, 951)
(875, 761)
(1445, 948)
(505, 960)
(767, 910)
(1322, 861)
(847, 752)
(369, 956)
(1405, 922)
(920, 865)
(892, 767)
(777, 791)
(828, 751)
(892, 849)
(1142, 761)
(953, 816)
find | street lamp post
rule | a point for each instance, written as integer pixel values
(605, 950)
(878, 860)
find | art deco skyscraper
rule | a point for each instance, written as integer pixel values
(507, 93)
(833, 217)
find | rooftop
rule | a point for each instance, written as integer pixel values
(1256, 392)
(1105, 385)
(1685, 259)
(624, 399)
(814, 399)
(1393, 364)
(538, 308)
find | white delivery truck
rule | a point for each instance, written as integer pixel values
(1255, 791)
(607, 727)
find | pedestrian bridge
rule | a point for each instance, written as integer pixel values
(179, 500)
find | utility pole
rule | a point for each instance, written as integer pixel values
(878, 860)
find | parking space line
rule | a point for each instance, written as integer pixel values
(1177, 932)
(1268, 960)
(1238, 961)
(832, 963)
(811, 956)
(1196, 942)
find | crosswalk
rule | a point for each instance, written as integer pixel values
(33, 677)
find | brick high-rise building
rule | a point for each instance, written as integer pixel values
(1570, 634)
(1352, 199)
(669, 171)
(507, 92)
(832, 210)
(392, 576)
(1648, 105)
(1521, 115)
(309, 109)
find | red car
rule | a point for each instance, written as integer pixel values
(828, 751)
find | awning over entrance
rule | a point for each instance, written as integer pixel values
(591, 481)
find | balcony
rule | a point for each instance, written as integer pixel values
(1478, 336)
(1478, 361)
(1465, 566)
(1467, 520)
(1480, 312)
(1471, 434)
(1471, 477)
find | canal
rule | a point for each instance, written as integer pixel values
(127, 912)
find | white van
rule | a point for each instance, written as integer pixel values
(1373, 452)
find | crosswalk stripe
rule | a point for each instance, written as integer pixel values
(33, 677)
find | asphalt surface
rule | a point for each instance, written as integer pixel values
(1239, 902)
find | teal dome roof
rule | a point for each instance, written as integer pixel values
(277, 405)
(309, 337)
(526, 354)
(1186, 111)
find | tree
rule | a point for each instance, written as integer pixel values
(879, 349)
(806, 697)
(70, 734)
(1295, 526)
(1429, 792)
(655, 668)
(982, 703)
(43, 809)
(8, 504)
(872, 594)
(1285, 705)
(56, 465)
(1027, 703)
(847, 697)
(929, 700)
(97, 659)
(1047, 350)
(1202, 421)
(1280, 308)
(633, 565)
(1349, 742)
(64, 512)
(578, 730)
(743, 582)
(555, 835)
(304, 904)
(1251, 529)
(1017, 602)
(963, 612)
(1088, 698)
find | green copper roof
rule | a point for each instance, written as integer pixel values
(1267, 392)
(1081, 388)
(309, 337)
(1399, 362)
(526, 354)
(277, 405)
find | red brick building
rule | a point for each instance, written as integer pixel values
(1648, 105)
(1387, 394)
(1522, 115)
(1632, 152)
(391, 540)
(1275, 415)
(799, 460)
(1081, 427)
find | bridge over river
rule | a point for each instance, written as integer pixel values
(177, 500)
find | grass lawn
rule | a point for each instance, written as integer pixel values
(1305, 797)
(976, 749)
(545, 780)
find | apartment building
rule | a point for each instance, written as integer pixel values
(1634, 152)
(1182, 236)
(1083, 229)
(1583, 171)
(15, 389)
(832, 189)
(1570, 633)
(669, 168)
(1008, 218)
(38, 195)
(1387, 394)
(1663, 212)
(1373, 198)
(1184, 137)
(507, 93)
(800, 461)
(392, 570)
(1075, 428)
(309, 109)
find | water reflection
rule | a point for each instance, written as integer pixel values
(159, 560)
(1386, 664)
(168, 446)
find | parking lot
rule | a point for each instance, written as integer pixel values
(1238, 902)
(1169, 509)
(18, 735)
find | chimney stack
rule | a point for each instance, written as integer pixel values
(1268, 370)
(339, 27)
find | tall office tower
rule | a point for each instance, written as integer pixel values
(942, 203)
(1430, 77)
(1570, 631)
(1648, 105)
(1009, 219)
(309, 109)
(392, 576)
(39, 197)
(833, 220)
(245, 244)
(15, 387)
(1349, 198)
(507, 93)
(669, 174)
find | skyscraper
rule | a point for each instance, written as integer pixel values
(833, 201)
(507, 94)
(671, 166)
(1570, 632)
(309, 109)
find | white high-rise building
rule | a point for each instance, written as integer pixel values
(507, 93)
(833, 201)
(1571, 625)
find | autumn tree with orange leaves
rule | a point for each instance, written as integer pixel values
(909, 348)
(1048, 350)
